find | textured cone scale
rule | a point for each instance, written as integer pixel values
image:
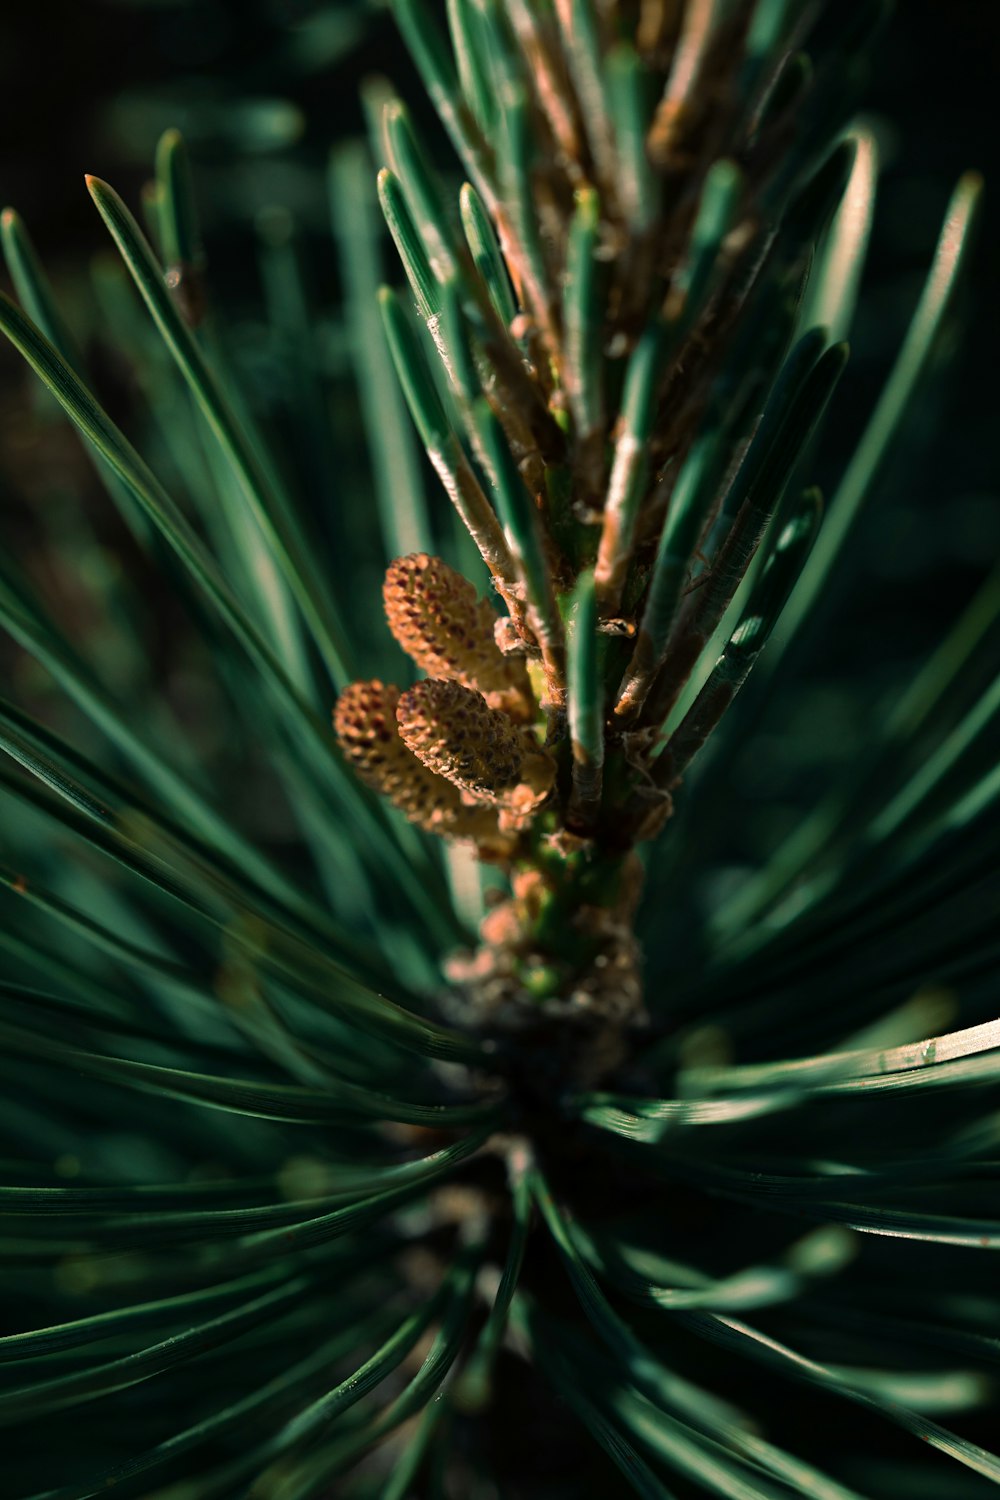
(365, 724)
(454, 732)
(439, 621)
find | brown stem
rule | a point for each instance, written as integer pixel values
(547, 74)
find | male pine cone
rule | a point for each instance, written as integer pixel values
(453, 730)
(448, 631)
(365, 723)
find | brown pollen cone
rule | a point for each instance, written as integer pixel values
(453, 731)
(441, 623)
(365, 723)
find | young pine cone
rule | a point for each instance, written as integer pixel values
(439, 621)
(453, 730)
(365, 724)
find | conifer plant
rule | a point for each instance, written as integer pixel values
(416, 1106)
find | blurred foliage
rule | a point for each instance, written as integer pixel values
(238, 948)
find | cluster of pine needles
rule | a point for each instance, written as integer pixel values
(380, 1115)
